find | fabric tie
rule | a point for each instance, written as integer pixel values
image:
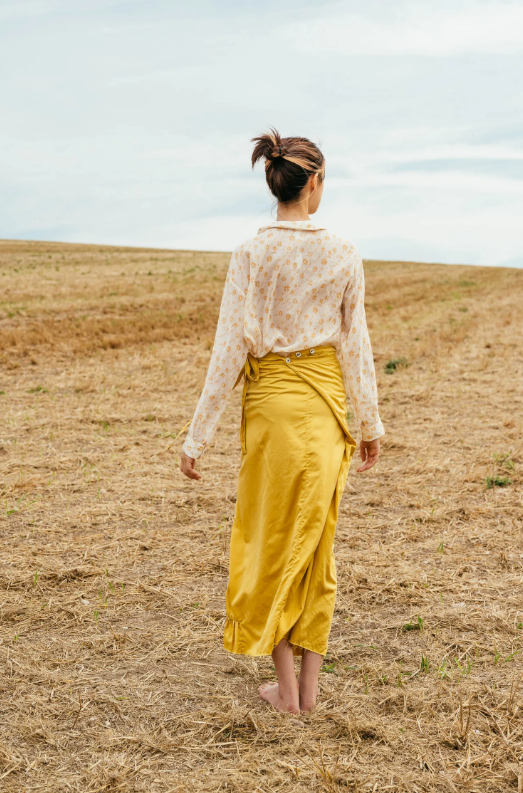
(251, 371)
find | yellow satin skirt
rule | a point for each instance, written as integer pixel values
(296, 453)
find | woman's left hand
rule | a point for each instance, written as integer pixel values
(187, 467)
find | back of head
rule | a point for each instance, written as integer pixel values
(289, 162)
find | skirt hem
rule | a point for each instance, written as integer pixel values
(234, 643)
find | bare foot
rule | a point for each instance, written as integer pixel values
(270, 692)
(307, 703)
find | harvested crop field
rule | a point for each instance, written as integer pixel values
(113, 567)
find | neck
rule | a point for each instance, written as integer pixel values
(296, 211)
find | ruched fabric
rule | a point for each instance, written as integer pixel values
(296, 453)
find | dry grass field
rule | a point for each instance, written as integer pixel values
(113, 567)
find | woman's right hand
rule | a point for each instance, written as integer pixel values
(369, 453)
(187, 467)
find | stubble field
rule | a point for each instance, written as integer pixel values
(113, 567)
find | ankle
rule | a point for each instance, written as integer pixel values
(308, 690)
(288, 693)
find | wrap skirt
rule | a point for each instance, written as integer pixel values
(296, 453)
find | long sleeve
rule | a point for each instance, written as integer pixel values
(228, 356)
(357, 363)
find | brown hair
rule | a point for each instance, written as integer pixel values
(289, 162)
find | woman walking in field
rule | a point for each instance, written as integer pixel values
(292, 324)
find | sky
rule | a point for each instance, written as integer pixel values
(129, 122)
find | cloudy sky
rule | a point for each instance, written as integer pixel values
(129, 121)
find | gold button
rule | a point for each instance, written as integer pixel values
(287, 360)
(312, 351)
(298, 355)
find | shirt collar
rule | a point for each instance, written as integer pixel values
(298, 225)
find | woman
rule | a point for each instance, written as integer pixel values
(292, 324)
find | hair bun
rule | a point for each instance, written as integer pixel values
(268, 147)
(289, 162)
(278, 151)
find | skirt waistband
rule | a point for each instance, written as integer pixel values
(251, 369)
(311, 352)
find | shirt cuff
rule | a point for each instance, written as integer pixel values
(192, 449)
(372, 432)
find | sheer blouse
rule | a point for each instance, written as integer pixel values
(293, 286)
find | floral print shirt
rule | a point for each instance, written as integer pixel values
(293, 286)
